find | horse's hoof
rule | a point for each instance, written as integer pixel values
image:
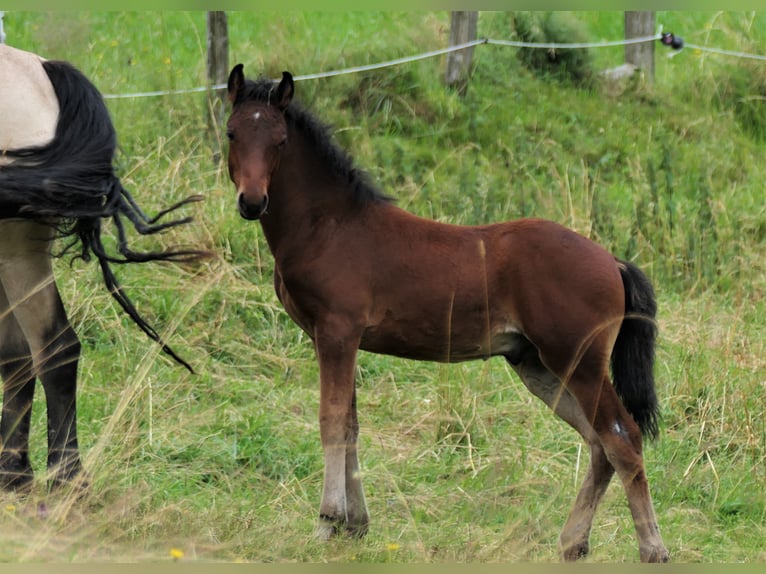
(71, 476)
(576, 551)
(79, 483)
(16, 473)
(326, 529)
(357, 531)
(658, 554)
(18, 481)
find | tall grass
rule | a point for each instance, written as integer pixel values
(460, 463)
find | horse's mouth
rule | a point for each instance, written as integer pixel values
(251, 212)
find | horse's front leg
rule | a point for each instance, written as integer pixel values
(357, 517)
(343, 506)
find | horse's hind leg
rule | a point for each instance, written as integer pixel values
(548, 387)
(620, 439)
(576, 532)
(18, 390)
(27, 279)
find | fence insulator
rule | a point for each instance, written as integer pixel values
(675, 42)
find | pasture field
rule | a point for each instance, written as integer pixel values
(460, 462)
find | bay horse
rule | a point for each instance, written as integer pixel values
(57, 145)
(356, 272)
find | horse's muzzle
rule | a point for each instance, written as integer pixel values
(249, 211)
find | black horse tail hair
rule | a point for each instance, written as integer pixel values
(70, 183)
(633, 354)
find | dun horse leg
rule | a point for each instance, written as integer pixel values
(58, 374)
(548, 387)
(18, 390)
(27, 279)
(342, 505)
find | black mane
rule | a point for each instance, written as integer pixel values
(319, 134)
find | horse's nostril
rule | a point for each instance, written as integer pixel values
(249, 211)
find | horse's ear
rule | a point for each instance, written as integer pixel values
(285, 91)
(236, 83)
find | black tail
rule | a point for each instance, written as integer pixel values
(633, 353)
(71, 182)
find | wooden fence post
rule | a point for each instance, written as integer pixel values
(217, 71)
(463, 28)
(637, 25)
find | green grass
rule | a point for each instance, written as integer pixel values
(460, 463)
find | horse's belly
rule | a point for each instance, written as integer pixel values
(455, 345)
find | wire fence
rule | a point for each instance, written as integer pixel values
(415, 58)
(667, 39)
(721, 52)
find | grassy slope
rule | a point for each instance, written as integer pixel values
(460, 462)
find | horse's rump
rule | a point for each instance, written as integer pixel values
(69, 181)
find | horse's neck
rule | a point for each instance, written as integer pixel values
(304, 196)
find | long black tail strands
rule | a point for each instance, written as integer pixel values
(70, 183)
(119, 295)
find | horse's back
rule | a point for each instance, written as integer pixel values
(546, 246)
(28, 105)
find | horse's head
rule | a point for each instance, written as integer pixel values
(257, 132)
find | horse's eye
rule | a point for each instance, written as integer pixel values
(230, 135)
(282, 144)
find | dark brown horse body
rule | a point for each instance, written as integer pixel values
(356, 272)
